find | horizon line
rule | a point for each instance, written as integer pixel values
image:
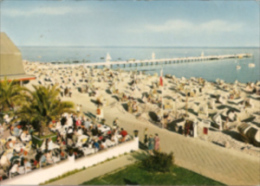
(77, 46)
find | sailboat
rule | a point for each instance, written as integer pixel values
(238, 67)
(108, 57)
(251, 65)
(153, 55)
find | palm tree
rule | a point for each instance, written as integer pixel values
(44, 106)
(11, 94)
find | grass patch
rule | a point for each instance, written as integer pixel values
(63, 176)
(136, 175)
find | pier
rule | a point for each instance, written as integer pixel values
(148, 62)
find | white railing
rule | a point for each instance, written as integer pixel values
(46, 173)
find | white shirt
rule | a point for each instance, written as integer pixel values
(14, 169)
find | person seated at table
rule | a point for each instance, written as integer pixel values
(87, 123)
(11, 142)
(14, 171)
(101, 145)
(79, 131)
(16, 131)
(96, 145)
(63, 154)
(27, 165)
(75, 137)
(123, 133)
(69, 132)
(78, 122)
(111, 141)
(94, 130)
(49, 159)
(25, 137)
(43, 159)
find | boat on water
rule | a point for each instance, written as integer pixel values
(251, 65)
(108, 57)
(238, 67)
(131, 59)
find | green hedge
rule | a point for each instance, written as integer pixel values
(159, 162)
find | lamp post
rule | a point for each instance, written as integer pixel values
(136, 133)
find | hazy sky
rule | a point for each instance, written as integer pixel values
(131, 23)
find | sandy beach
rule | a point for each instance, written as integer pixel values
(221, 107)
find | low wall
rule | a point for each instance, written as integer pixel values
(41, 175)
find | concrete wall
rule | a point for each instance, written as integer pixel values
(41, 175)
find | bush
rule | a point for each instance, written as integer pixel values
(159, 162)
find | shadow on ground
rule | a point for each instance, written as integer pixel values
(140, 155)
(234, 135)
(90, 115)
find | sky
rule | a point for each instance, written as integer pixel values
(131, 23)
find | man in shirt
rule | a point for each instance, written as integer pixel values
(43, 159)
(123, 133)
(27, 165)
(15, 168)
(16, 131)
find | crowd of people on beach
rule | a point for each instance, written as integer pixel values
(217, 104)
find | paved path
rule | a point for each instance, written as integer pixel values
(224, 165)
(96, 171)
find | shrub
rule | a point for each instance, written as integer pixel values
(159, 162)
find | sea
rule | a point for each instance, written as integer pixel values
(210, 70)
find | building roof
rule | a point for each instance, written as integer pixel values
(11, 65)
(7, 46)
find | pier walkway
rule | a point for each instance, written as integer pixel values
(224, 165)
(135, 63)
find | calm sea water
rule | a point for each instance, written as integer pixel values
(210, 70)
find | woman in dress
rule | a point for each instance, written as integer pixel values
(156, 142)
(150, 144)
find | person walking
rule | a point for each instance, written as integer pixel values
(146, 137)
(156, 142)
(150, 144)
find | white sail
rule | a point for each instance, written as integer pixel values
(108, 57)
(153, 55)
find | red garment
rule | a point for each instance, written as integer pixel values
(35, 162)
(161, 81)
(78, 122)
(98, 111)
(123, 133)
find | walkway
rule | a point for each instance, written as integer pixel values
(96, 171)
(224, 165)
